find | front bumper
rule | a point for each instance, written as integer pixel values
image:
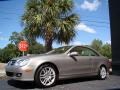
(25, 73)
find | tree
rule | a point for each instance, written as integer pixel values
(36, 48)
(16, 37)
(97, 44)
(52, 20)
(106, 50)
(1, 59)
(9, 52)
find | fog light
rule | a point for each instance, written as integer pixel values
(18, 74)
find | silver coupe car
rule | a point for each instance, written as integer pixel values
(60, 63)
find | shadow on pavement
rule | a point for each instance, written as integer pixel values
(32, 85)
(114, 89)
(22, 84)
(76, 80)
(116, 72)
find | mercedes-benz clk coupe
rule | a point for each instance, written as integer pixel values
(60, 63)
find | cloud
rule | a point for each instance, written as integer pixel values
(84, 27)
(91, 6)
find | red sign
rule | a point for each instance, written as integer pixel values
(23, 46)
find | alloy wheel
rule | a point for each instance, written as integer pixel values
(103, 73)
(47, 76)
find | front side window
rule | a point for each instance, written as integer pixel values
(83, 51)
(59, 50)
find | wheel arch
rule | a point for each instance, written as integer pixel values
(103, 66)
(50, 63)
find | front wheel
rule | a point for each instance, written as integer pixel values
(46, 76)
(102, 73)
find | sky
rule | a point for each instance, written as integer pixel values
(93, 24)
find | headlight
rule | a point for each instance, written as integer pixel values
(21, 62)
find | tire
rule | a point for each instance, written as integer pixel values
(46, 76)
(102, 73)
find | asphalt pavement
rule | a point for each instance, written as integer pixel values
(91, 83)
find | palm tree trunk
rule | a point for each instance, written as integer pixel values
(48, 44)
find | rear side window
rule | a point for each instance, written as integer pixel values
(84, 51)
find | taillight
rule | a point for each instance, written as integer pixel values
(110, 66)
(110, 62)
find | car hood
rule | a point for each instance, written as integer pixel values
(41, 56)
(46, 56)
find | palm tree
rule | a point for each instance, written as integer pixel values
(52, 20)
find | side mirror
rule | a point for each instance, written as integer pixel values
(73, 54)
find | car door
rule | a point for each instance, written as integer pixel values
(83, 59)
(95, 59)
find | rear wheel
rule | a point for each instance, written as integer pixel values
(46, 76)
(102, 73)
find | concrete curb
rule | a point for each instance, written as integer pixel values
(2, 73)
(2, 70)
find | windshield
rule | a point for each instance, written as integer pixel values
(59, 50)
